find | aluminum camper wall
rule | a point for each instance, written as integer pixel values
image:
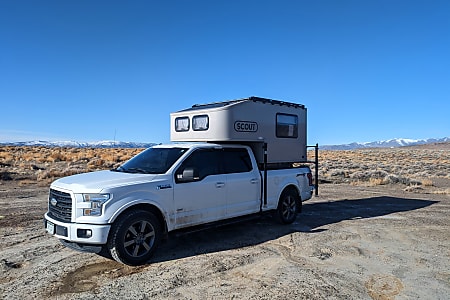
(251, 121)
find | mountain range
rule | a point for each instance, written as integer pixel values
(98, 144)
(393, 143)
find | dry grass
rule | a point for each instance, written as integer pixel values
(427, 182)
(442, 191)
(41, 165)
(417, 169)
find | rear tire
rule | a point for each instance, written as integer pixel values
(287, 206)
(134, 237)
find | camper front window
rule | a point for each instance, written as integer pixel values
(200, 122)
(182, 124)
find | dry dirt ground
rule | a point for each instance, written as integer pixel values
(351, 242)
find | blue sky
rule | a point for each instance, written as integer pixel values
(99, 70)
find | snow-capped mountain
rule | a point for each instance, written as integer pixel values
(393, 143)
(98, 144)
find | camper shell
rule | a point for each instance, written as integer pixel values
(257, 122)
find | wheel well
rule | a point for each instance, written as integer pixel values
(150, 208)
(291, 188)
(295, 190)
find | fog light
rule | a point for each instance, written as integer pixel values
(61, 230)
(84, 233)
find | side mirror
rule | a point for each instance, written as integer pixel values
(188, 175)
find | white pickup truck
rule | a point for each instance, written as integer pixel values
(126, 211)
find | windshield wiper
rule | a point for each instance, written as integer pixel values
(135, 170)
(130, 170)
(118, 169)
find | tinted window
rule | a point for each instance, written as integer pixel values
(152, 161)
(205, 161)
(237, 161)
(287, 126)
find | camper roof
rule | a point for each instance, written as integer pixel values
(253, 98)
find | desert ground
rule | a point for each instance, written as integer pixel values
(379, 229)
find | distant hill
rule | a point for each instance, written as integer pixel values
(393, 143)
(98, 144)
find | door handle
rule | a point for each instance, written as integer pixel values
(220, 184)
(254, 180)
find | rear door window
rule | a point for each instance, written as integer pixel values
(237, 160)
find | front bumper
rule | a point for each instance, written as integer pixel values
(75, 232)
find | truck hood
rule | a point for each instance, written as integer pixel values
(97, 181)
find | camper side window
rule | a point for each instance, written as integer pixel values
(287, 126)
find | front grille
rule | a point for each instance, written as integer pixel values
(60, 210)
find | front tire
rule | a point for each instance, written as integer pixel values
(134, 237)
(287, 206)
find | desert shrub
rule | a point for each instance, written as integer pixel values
(6, 176)
(96, 163)
(81, 158)
(413, 189)
(27, 182)
(41, 159)
(5, 164)
(442, 174)
(56, 173)
(442, 191)
(391, 178)
(360, 176)
(378, 174)
(339, 173)
(377, 181)
(29, 156)
(427, 182)
(56, 156)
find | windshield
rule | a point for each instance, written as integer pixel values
(152, 161)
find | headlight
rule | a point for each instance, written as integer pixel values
(96, 202)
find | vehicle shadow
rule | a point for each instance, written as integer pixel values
(316, 215)
(263, 229)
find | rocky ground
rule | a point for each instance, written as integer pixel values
(351, 242)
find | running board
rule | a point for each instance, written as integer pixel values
(217, 224)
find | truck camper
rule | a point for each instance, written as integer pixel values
(252, 121)
(228, 160)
